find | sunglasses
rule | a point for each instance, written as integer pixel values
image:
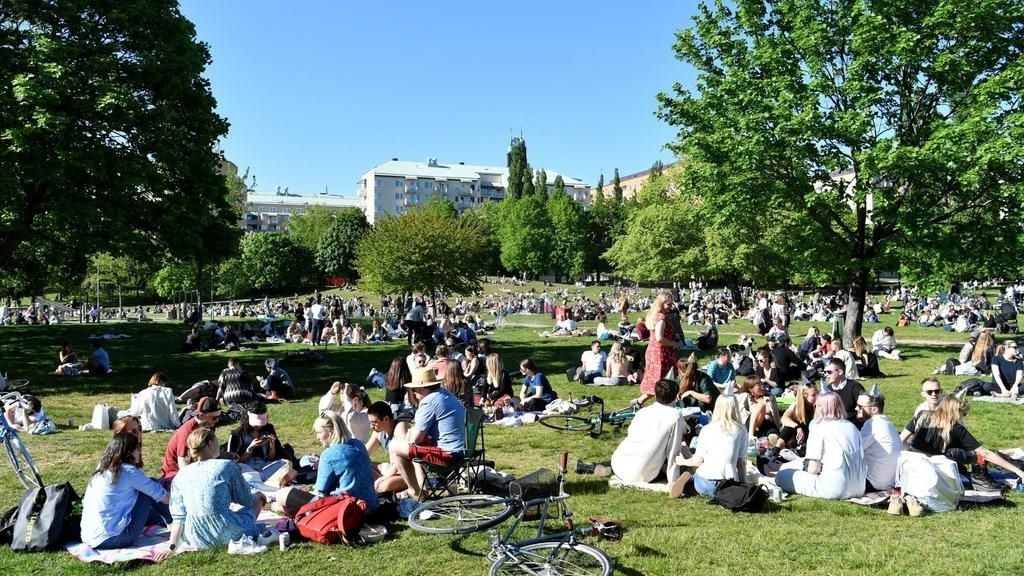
(829, 371)
(933, 391)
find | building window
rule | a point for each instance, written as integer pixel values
(376, 182)
(398, 195)
(398, 183)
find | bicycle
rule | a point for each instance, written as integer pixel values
(592, 424)
(21, 460)
(544, 555)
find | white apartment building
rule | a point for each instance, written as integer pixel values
(395, 186)
(270, 212)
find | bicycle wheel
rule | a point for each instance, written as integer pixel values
(23, 464)
(460, 514)
(567, 422)
(554, 559)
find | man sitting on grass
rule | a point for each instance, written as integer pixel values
(655, 436)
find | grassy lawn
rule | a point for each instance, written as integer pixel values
(663, 537)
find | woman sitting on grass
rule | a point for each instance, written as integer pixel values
(497, 389)
(255, 444)
(616, 369)
(354, 412)
(833, 468)
(67, 361)
(457, 383)
(202, 494)
(155, 405)
(721, 453)
(120, 501)
(796, 420)
(536, 392)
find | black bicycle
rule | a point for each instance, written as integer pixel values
(589, 417)
(555, 554)
(18, 454)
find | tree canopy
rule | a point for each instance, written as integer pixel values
(422, 251)
(336, 253)
(108, 135)
(886, 126)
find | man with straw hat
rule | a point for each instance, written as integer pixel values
(438, 435)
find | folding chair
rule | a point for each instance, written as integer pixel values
(460, 475)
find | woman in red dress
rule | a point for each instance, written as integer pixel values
(661, 352)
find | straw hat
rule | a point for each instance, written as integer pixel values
(423, 377)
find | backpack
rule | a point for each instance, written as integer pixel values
(740, 496)
(974, 387)
(44, 519)
(331, 519)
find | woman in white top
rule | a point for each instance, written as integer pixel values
(155, 407)
(721, 450)
(834, 463)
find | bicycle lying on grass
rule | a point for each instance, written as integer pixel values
(552, 554)
(22, 462)
(585, 419)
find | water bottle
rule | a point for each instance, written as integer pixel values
(752, 446)
(284, 540)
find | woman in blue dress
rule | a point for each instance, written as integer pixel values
(202, 494)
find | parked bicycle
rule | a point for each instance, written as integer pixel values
(555, 554)
(22, 462)
(589, 417)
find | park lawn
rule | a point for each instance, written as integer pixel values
(662, 537)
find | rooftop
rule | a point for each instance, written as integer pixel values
(435, 170)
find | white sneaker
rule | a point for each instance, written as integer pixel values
(788, 455)
(268, 538)
(245, 545)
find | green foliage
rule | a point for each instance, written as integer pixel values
(568, 236)
(606, 221)
(616, 186)
(884, 125)
(336, 253)
(109, 134)
(270, 262)
(518, 170)
(308, 228)
(115, 274)
(173, 279)
(657, 168)
(525, 236)
(422, 251)
(231, 278)
(487, 217)
(540, 185)
(559, 185)
(444, 207)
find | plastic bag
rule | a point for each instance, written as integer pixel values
(934, 481)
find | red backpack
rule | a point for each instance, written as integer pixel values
(331, 518)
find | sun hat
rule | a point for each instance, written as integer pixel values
(423, 378)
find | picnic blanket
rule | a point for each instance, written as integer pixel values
(1017, 401)
(151, 543)
(972, 496)
(616, 482)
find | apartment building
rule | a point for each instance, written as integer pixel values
(270, 212)
(631, 183)
(396, 186)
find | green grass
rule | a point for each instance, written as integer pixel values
(802, 536)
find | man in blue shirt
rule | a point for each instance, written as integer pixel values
(438, 435)
(720, 369)
(99, 360)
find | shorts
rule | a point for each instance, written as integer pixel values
(433, 455)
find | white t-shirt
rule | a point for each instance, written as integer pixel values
(837, 444)
(720, 450)
(650, 445)
(593, 362)
(881, 443)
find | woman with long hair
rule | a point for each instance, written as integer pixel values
(498, 390)
(457, 383)
(120, 501)
(616, 368)
(942, 431)
(202, 494)
(762, 414)
(721, 452)
(536, 392)
(984, 350)
(796, 420)
(394, 385)
(833, 467)
(661, 352)
(696, 389)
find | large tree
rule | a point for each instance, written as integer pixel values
(308, 228)
(107, 133)
(422, 251)
(889, 125)
(336, 253)
(568, 236)
(524, 233)
(616, 186)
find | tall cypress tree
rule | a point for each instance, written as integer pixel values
(617, 186)
(540, 185)
(517, 165)
(600, 189)
(559, 185)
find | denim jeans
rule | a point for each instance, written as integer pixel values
(145, 512)
(705, 487)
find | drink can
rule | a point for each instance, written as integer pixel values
(284, 540)
(1020, 486)
(776, 494)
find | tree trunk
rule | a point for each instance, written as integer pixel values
(855, 306)
(733, 284)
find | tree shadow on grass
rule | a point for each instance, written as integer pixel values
(588, 486)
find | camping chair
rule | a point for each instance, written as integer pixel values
(1007, 318)
(460, 475)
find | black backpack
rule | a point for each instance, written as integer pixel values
(740, 496)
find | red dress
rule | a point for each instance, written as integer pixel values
(660, 358)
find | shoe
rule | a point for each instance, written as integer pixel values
(788, 455)
(679, 486)
(245, 546)
(981, 480)
(602, 470)
(584, 467)
(914, 507)
(369, 377)
(896, 504)
(268, 537)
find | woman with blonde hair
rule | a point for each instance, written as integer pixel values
(984, 350)
(616, 368)
(942, 431)
(202, 494)
(498, 389)
(661, 352)
(721, 452)
(796, 420)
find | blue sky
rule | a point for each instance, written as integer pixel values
(318, 92)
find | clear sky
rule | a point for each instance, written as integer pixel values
(319, 92)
